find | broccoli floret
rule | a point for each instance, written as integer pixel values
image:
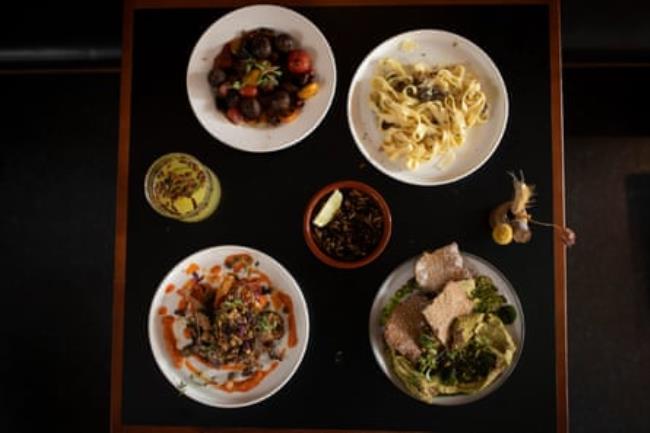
(507, 314)
(487, 296)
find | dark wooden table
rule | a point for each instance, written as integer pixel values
(339, 386)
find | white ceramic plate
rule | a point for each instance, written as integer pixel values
(253, 139)
(434, 47)
(181, 377)
(399, 277)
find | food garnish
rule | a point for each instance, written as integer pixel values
(329, 209)
(502, 233)
(233, 323)
(425, 112)
(449, 340)
(511, 220)
(262, 78)
(355, 230)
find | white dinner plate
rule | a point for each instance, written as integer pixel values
(433, 47)
(399, 277)
(231, 25)
(182, 378)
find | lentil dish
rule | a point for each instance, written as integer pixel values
(233, 320)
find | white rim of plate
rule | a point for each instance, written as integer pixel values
(500, 82)
(329, 53)
(455, 399)
(153, 315)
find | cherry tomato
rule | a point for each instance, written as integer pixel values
(299, 62)
(234, 115)
(248, 91)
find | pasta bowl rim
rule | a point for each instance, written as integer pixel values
(356, 130)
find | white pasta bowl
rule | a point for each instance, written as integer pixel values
(231, 25)
(181, 376)
(434, 48)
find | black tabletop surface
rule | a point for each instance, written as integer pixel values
(263, 201)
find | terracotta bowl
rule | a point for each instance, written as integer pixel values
(311, 211)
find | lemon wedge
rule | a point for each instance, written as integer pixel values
(502, 234)
(329, 209)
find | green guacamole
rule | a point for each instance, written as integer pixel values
(480, 351)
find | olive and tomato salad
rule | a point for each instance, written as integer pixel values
(262, 77)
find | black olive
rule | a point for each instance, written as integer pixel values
(240, 67)
(265, 32)
(265, 100)
(274, 57)
(284, 43)
(300, 103)
(280, 102)
(260, 46)
(302, 80)
(250, 108)
(243, 52)
(289, 87)
(216, 77)
(221, 104)
(232, 98)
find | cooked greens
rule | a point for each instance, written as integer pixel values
(507, 314)
(474, 349)
(464, 368)
(486, 295)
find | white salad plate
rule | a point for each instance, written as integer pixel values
(435, 48)
(228, 27)
(399, 277)
(182, 378)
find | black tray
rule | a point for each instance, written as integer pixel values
(339, 385)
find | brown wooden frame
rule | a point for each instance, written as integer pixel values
(559, 250)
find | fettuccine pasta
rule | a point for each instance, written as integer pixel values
(424, 111)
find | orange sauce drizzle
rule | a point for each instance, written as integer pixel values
(279, 300)
(249, 383)
(162, 310)
(170, 340)
(193, 267)
(170, 288)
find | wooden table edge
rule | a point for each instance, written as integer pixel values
(559, 250)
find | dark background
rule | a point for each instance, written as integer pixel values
(57, 177)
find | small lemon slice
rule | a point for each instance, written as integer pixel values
(502, 234)
(329, 209)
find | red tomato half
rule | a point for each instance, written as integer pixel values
(299, 62)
